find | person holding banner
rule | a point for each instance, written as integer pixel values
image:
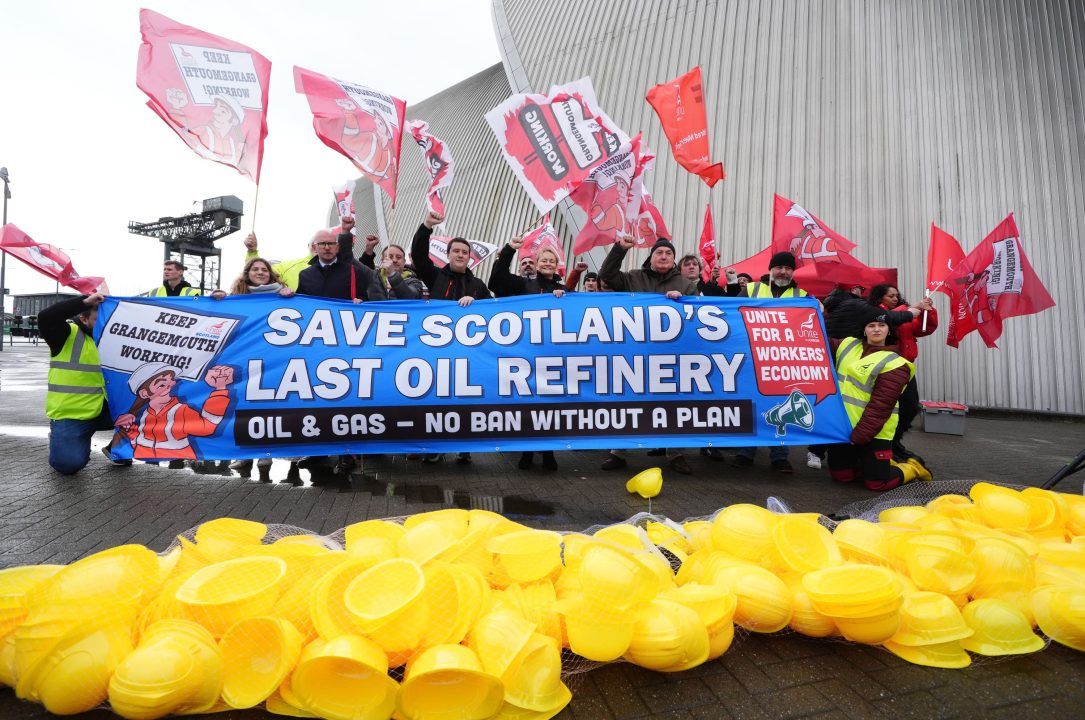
(691, 270)
(591, 282)
(504, 284)
(778, 281)
(334, 272)
(173, 282)
(395, 280)
(872, 377)
(454, 281)
(257, 278)
(658, 274)
(287, 270)
(75, 403)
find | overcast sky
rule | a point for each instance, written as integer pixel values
(86, 155)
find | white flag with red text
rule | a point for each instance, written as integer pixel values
(439, 163)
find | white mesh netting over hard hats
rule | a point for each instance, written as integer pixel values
(468, 609)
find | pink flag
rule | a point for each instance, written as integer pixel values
(605, 196)
(994, 282)
(681, 109)
(439, 163)
(553, 142)
(344, 199)
(363, 124)
(50, 261)
(648, 225)
(544, 236)
(820, 278)
(944, 254)
(210, 90)
(708, 245)
(804, 235)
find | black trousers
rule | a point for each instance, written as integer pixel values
(908, 409)
(870, 461)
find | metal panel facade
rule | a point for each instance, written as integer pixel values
(880, 117)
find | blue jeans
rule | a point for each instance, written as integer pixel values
(69, 441)
(776, 452)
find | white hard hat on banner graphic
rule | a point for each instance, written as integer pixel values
(147, 371)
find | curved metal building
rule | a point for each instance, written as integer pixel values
(880, 117)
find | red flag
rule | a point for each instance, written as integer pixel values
(363, 124)
(50, 261)
(804, 235)
(994, 282)
(544, 236)
(553, 142)
(439, 163)
(680, 107)
(708, 245)
(344, 199)
(605, 196)
(819, 279)
(210, 90)
(648, 225)
(944, 254)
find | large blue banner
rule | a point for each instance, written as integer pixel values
(258, 376)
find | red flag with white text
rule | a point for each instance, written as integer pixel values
(804, 235)
(648, 225)
(992, 283)
(439, 163)
(553, 142)
(944, 254)
(605, 197)
(210, 90)
(363, 124)
(708, 245)
(543, 236)
(48, 260)
(680, 106)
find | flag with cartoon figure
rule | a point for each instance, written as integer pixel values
(439, 163)
(647, 221)
(50, 261)
(804, 235)
(344, 199)
(544, 237)
(605, 197)
(211, 91)
(553, 142)
(363, 124)
(992, 283)
(680, 106)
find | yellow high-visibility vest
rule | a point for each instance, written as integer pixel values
(760, 290)
(160, 291)
(858, 373)
(76, 386)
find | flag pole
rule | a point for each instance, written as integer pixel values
(255, 202)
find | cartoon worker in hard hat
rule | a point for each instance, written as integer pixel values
(164, 429)
(221, 138)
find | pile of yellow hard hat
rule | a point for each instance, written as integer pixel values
(468, 612)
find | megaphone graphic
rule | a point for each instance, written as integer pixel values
(795, 410)
(647, 483)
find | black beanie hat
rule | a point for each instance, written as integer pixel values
(665, 243)
(782, 259)
(592, 276)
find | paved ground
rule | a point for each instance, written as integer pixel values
(48, 518)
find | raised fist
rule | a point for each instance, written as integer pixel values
(580, 266)
(371, 244)
(177, 98)
(516, 242)
(432, 219)
(346, 225)
(219, 376)
(625, 241)
(250, 241)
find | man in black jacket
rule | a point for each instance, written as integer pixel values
(454, 281)
(334, 272)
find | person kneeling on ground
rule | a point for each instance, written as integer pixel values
(872, 378)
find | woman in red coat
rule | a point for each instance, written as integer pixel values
(904, 337)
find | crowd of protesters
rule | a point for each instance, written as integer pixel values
(872, 335)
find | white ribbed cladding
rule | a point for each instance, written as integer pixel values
(878, 116)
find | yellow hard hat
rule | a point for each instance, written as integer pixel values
(646, 483)
(999, 629)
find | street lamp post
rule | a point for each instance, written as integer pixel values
(4, 263)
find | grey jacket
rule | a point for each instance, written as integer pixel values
(643, 280)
